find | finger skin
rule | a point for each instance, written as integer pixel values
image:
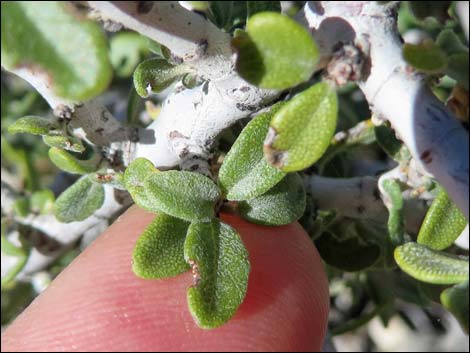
(98, 304)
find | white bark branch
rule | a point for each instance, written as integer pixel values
(395, 92)
(189, 36)
(357, 197)
(190, 120)
(360, 198)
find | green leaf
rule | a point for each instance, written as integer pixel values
(227, 14)
(220, 266)
(191, 80)
(8, 248)
(455, 299)
(42, 201)
(245, 173)
(134, 178)
(443, 223)
(14, 270)
(283, 204)
(68, 143)
(426, 57)
(154, 75)
(301, 131)
(387, 140)
(79, 201)
(431, 266)
(68, 163)
(137, 172)
(253, 7)
(450, 42)
(349, 254)
(20, 252)
(458, 68)
(396, 221)
(34, 125)
(276, 52)
(53, 39)
(159, 251)
(186, 195)
(22, 206)
(126, 50)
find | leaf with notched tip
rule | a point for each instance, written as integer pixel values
(220, 266)
(301, 131)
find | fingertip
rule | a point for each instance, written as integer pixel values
(98, 304)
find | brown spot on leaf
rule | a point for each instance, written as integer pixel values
(274, 156)
(104, 177)
(195, 272)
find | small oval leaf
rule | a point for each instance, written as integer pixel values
(456, 300)
(125, 52)
(458, 68)
(426, 57)
(301, 131)
(450, 42)
(137, 172)
(159, 251)
(276, 52)
(68, 143)
(154, 75)
(68, 163)
(42, 201)
(431, 266)
(54, 40)
(283, 204)
(79, 201)
(186, 195)
(220, 266)
(34, 125)
(443, 223)
(134, 178)
(245, 174)
(22, 207)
